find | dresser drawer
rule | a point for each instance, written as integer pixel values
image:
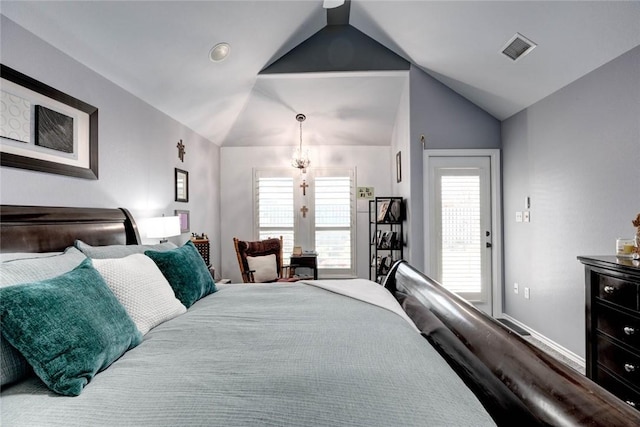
(619, 325)
(618, 291)
(618, 360)
(624, 392)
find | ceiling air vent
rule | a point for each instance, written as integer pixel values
(518, 46)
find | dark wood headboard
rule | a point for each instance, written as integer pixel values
(52, 229)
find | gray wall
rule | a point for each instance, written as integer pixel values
(448, 121)
(400, 142)
(137, 147)
(576, 153)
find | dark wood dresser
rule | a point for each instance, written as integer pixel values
(613, 325)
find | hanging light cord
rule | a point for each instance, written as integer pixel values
(300, 137)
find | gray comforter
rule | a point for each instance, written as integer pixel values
(266, 354)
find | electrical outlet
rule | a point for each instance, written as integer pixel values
(519, 216)
(526, 293)
(526, 216)
(515, 288)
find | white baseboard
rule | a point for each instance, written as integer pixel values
(554, 345)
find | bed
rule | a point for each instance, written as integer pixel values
(312, 353)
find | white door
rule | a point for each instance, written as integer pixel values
(461, 235)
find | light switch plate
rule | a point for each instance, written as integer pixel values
(526, 216)
(519, 216)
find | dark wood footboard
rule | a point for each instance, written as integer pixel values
(513, 379)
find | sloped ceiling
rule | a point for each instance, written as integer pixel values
(158, 50)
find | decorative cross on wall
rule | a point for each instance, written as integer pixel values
(304, 186)
(181, 151)
(304, 211)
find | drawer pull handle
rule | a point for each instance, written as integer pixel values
(609, 289)
(630, 403)
(628, 330)
(629, 367)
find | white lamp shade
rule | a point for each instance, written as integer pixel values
(163, 226)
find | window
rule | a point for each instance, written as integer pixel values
(275, 209)
(315, 210)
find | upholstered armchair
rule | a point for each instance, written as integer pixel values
(262, 261)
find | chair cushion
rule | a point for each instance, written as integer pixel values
(265, 268)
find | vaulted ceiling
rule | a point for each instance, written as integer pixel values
(159, 51)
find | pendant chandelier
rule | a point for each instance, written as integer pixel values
(300, 158)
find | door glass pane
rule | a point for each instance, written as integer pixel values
(461, 234)
(333, 221)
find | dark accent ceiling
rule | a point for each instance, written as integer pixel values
(337, 47)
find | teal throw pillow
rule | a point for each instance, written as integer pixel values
(186, 272)
(68, 328)
(27, 268)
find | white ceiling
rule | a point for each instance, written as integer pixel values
(158, 50)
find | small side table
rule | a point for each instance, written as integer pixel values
(308, 261)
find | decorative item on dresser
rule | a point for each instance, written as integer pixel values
(613, 325)
(636, 224)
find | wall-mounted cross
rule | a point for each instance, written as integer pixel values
(304, 211)
(181, 151)
(304, 186)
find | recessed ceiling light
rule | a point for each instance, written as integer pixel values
(219, 52)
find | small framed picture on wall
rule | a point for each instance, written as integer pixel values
(184, 220)
(182, 185)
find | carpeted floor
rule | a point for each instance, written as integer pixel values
(554, 353)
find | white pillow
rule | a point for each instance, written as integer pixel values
(141, 288)
(265, 268)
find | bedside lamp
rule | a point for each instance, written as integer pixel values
(163, 227)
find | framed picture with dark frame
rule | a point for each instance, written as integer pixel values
(43, 129)
(182, 185)
(398, 167)
(184, 220)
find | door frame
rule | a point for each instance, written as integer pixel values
(497, 289)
